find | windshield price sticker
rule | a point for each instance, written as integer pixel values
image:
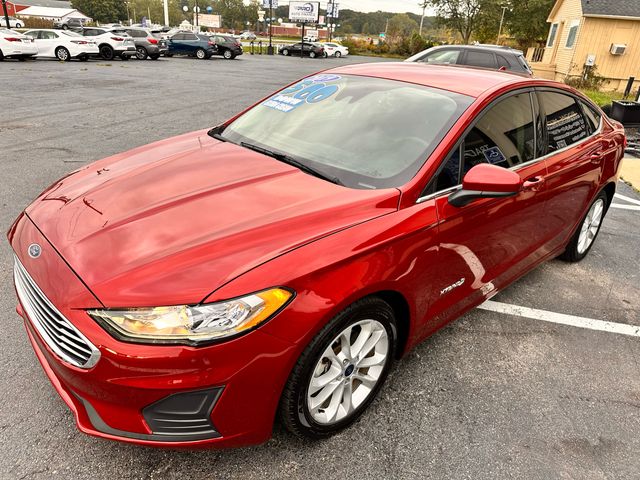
(309, 91)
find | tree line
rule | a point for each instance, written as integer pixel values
(524, 20)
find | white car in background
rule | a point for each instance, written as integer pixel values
(111, 44)
(335, 50)
(62, 44)
(16, 45)
(13, 22)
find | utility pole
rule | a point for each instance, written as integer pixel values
(329, 17)
(504, 9)
(270, 49)
(166, 12)
(424, 5)
(6, 15)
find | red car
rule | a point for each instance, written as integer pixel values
(188, 292)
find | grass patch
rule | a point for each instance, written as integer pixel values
(602, 98)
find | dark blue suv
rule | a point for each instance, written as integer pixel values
(192, 44)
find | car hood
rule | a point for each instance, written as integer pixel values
(170, 222)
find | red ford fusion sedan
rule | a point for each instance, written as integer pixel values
(189, 292)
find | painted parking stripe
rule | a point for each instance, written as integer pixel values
(625, 207)
(561, 318)
(627, 199)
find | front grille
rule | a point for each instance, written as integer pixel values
(58, 332)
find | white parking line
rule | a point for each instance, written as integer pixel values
(625, 207)
(561, 318)
(627, 199)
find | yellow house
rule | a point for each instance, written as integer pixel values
(604, 33)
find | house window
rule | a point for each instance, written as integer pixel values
(573, 32)
(552, 35)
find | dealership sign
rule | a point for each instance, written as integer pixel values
(304, 12)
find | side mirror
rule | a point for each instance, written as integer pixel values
(486, 181)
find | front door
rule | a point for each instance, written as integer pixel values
(485, 244)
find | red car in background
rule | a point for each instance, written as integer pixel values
(188, 292)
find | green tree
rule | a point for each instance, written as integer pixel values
(401, 26)
(526, 20)
(460, 15)
(102, 10)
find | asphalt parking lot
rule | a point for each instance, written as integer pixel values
(493, 395)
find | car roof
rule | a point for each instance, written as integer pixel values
(466, 80)
(480, 46)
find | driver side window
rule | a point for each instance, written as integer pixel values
(503, 136)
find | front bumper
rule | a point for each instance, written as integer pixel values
(229, 392)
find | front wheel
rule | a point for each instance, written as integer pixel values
(228, 55)
(338, 55)
(19, 25)
(341, 371)
(201, 54)
(285, 52)
(583, 239)
(312, 54)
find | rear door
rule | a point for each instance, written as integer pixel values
(488, 242)
(47, 42)
(176, 43)
(575, 151)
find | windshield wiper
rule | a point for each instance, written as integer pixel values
(291, 161)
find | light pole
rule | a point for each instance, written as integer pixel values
(504, 9)
(270, 49)
(165, 5)
(424, 7)
(6, 15)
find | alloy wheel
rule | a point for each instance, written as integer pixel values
(590, 226)
(62, 54)
(347, 371)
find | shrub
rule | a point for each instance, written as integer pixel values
(589, 80)
(36, 22)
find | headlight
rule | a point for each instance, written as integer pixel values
(193, 324)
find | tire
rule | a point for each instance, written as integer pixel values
(228, 55)
(327, 410)
(585, 236)
(337, 54)
(1, 56)
(62, 54)
(201, 54)
(154, 57)
(106, 52)
(285, 52)
(312, 55)
(65, 27)
(19, 25)
(141, 53)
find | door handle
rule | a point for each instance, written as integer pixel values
(596, 157)
(533, 184)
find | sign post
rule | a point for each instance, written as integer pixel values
(333, 13)
(6, 15)
(304, 12)
(270, 4)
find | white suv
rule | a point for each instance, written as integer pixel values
(111, 44)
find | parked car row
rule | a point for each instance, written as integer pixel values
(314, 50)
(109, 43)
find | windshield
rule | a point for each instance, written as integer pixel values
(365, 132)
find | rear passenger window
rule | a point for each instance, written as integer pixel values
(503, 62)
(480, 59)
(564, 120)
(504, 136)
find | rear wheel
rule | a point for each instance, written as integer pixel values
(338, 55)
(312, 54)
(341, 371)
(106, 52)
(583, 239)
(201, 54)
(228, 55)
(285, 52)
(62, 54)
(19, 25)
(141, 53)
(65, 27)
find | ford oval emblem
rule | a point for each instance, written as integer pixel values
(34, 250)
